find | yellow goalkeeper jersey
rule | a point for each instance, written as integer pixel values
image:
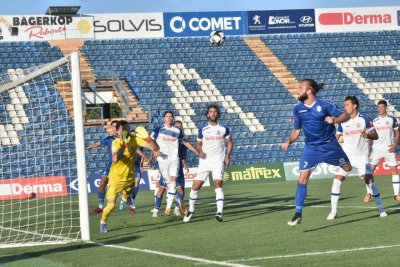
(126, 165)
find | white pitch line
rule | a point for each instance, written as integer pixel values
(181, 257)
(314, 253)
(311, 206)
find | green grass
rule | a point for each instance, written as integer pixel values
(254, 232)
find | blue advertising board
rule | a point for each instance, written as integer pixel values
(203, 23)
(398, 17)
(281, 21)
(93, 182)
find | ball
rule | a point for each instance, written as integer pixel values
(217, 37)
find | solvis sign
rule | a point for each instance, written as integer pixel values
(203, 23)
(281, 21)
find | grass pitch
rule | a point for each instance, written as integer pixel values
(254, 232)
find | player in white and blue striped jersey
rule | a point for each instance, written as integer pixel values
(387, 128)
(356, 132)
(311, 114)
(215, 145)
(168, 137)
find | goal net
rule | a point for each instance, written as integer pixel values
(42, 156)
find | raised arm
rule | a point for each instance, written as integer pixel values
(94, 145)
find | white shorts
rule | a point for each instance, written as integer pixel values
(360, 162)
(168, 168)
(204, 169)
(390, 157)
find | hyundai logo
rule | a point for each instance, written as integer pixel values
(306, 19)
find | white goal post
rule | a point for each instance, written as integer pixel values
(43, 187)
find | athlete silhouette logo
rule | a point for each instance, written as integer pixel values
(257, 19)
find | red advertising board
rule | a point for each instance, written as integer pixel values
(383, 168)
(40, 187)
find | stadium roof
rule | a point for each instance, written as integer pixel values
(62, 10)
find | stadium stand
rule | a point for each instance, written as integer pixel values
(31, 156)
(233, 68)
(237, 71)
(361, 63)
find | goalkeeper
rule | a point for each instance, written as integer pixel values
(121, 177)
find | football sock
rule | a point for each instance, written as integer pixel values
(377, 196)
(155, 193)
(179, 199)
(193, 196)
(301, 194)
(335, 195)
(158, 202)
(368, 189)
(100, 197)
(219, 198)
(134, 193)
(396, 184)
(171, 193)
(106, 211)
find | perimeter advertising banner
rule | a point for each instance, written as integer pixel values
(39, 187)
(356, 19)
(128, 25)
(281, 21)
(384, 169)
(43, 28)
(255, 173)
(154, 175)
(322, 171)
(203, 23)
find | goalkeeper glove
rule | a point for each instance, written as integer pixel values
(126, 137)
(142, 133)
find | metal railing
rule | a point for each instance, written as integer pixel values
(116, 83)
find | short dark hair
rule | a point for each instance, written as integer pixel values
(170, 112)
(353, 99)
(124, 124)
(180, 123)
(382, 102)
(215, 107)
(114, 121)
(314, 85)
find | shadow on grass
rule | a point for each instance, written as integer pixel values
(38, 254)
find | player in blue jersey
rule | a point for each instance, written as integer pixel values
(310, 115)
(104, 178)
(180, 181)
(356, 132)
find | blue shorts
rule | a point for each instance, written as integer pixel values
(138, 175)
(331, 153)
(180, 180)
(107, 170)
(163, 182)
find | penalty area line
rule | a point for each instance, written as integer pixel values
(177, 256)
(317, 253)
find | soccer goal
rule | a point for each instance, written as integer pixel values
(43, 188)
